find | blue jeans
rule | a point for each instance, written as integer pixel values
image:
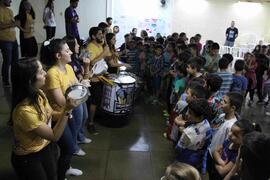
(66, 151)
(77, 123)
(10, 53)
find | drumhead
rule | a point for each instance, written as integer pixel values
(125, 80)
(100, 67)
(77, 92)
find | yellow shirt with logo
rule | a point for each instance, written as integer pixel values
(58, 79)
(26, 118)
(94, 49)
(6, 17)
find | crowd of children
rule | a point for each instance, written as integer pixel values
(204, 93)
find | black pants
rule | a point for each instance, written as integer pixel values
(36, 166)
(50, 32)
(29, 47)
(259, 86)
(250, 90)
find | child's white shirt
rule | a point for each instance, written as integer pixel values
(194, 136)
(222, 133)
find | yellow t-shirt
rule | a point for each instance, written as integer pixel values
(6, 17)
(25, 119)
(29, 26)
(94, 50)
(59, 79)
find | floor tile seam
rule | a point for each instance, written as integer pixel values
(152, 165)
(107, 164)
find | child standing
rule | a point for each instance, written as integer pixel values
(239, 81)
(156, 69)
(225, 75)
(230, 104)
(214, 83)
(225, 156)
(196, 137)
(194, 68)
(250, 67)
(178, 84)
(177, 118)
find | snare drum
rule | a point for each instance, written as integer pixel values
(100, 68)
(79, 93)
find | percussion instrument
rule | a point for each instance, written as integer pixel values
(100, 67)
(117, 99)
(79, 93)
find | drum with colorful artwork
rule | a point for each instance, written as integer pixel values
(118, 98)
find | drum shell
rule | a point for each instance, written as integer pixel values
(118, 99)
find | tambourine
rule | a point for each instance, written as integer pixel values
(78, 92)
(100, 68)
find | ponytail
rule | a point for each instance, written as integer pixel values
(247, 127)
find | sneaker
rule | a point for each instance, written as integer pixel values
(85, 141)
(166, 114)
(73, 172)
(154, 102)
(80, 153)
(92, 129)
(260, 102)
(165, 135)
(250, 102)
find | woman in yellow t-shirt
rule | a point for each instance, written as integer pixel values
(113, 57)
(26, 18)
(33, 156)
(56, 56)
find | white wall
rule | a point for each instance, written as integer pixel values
(91, 12)
(211, 18)
(149, 15)
(208, 17)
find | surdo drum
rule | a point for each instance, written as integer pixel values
(118, 98)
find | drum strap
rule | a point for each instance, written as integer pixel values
(105, 80)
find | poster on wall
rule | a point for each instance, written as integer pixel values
(151, 25)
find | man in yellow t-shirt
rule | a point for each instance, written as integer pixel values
(95, 48)
(8, 42)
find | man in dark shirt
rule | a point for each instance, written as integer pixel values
(231, 35)
(71, 20)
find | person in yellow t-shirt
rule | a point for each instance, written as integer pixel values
(8, 42)
(33, 155)
(97, 52)
(113, 58)
(60, 76)
(26, 19)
